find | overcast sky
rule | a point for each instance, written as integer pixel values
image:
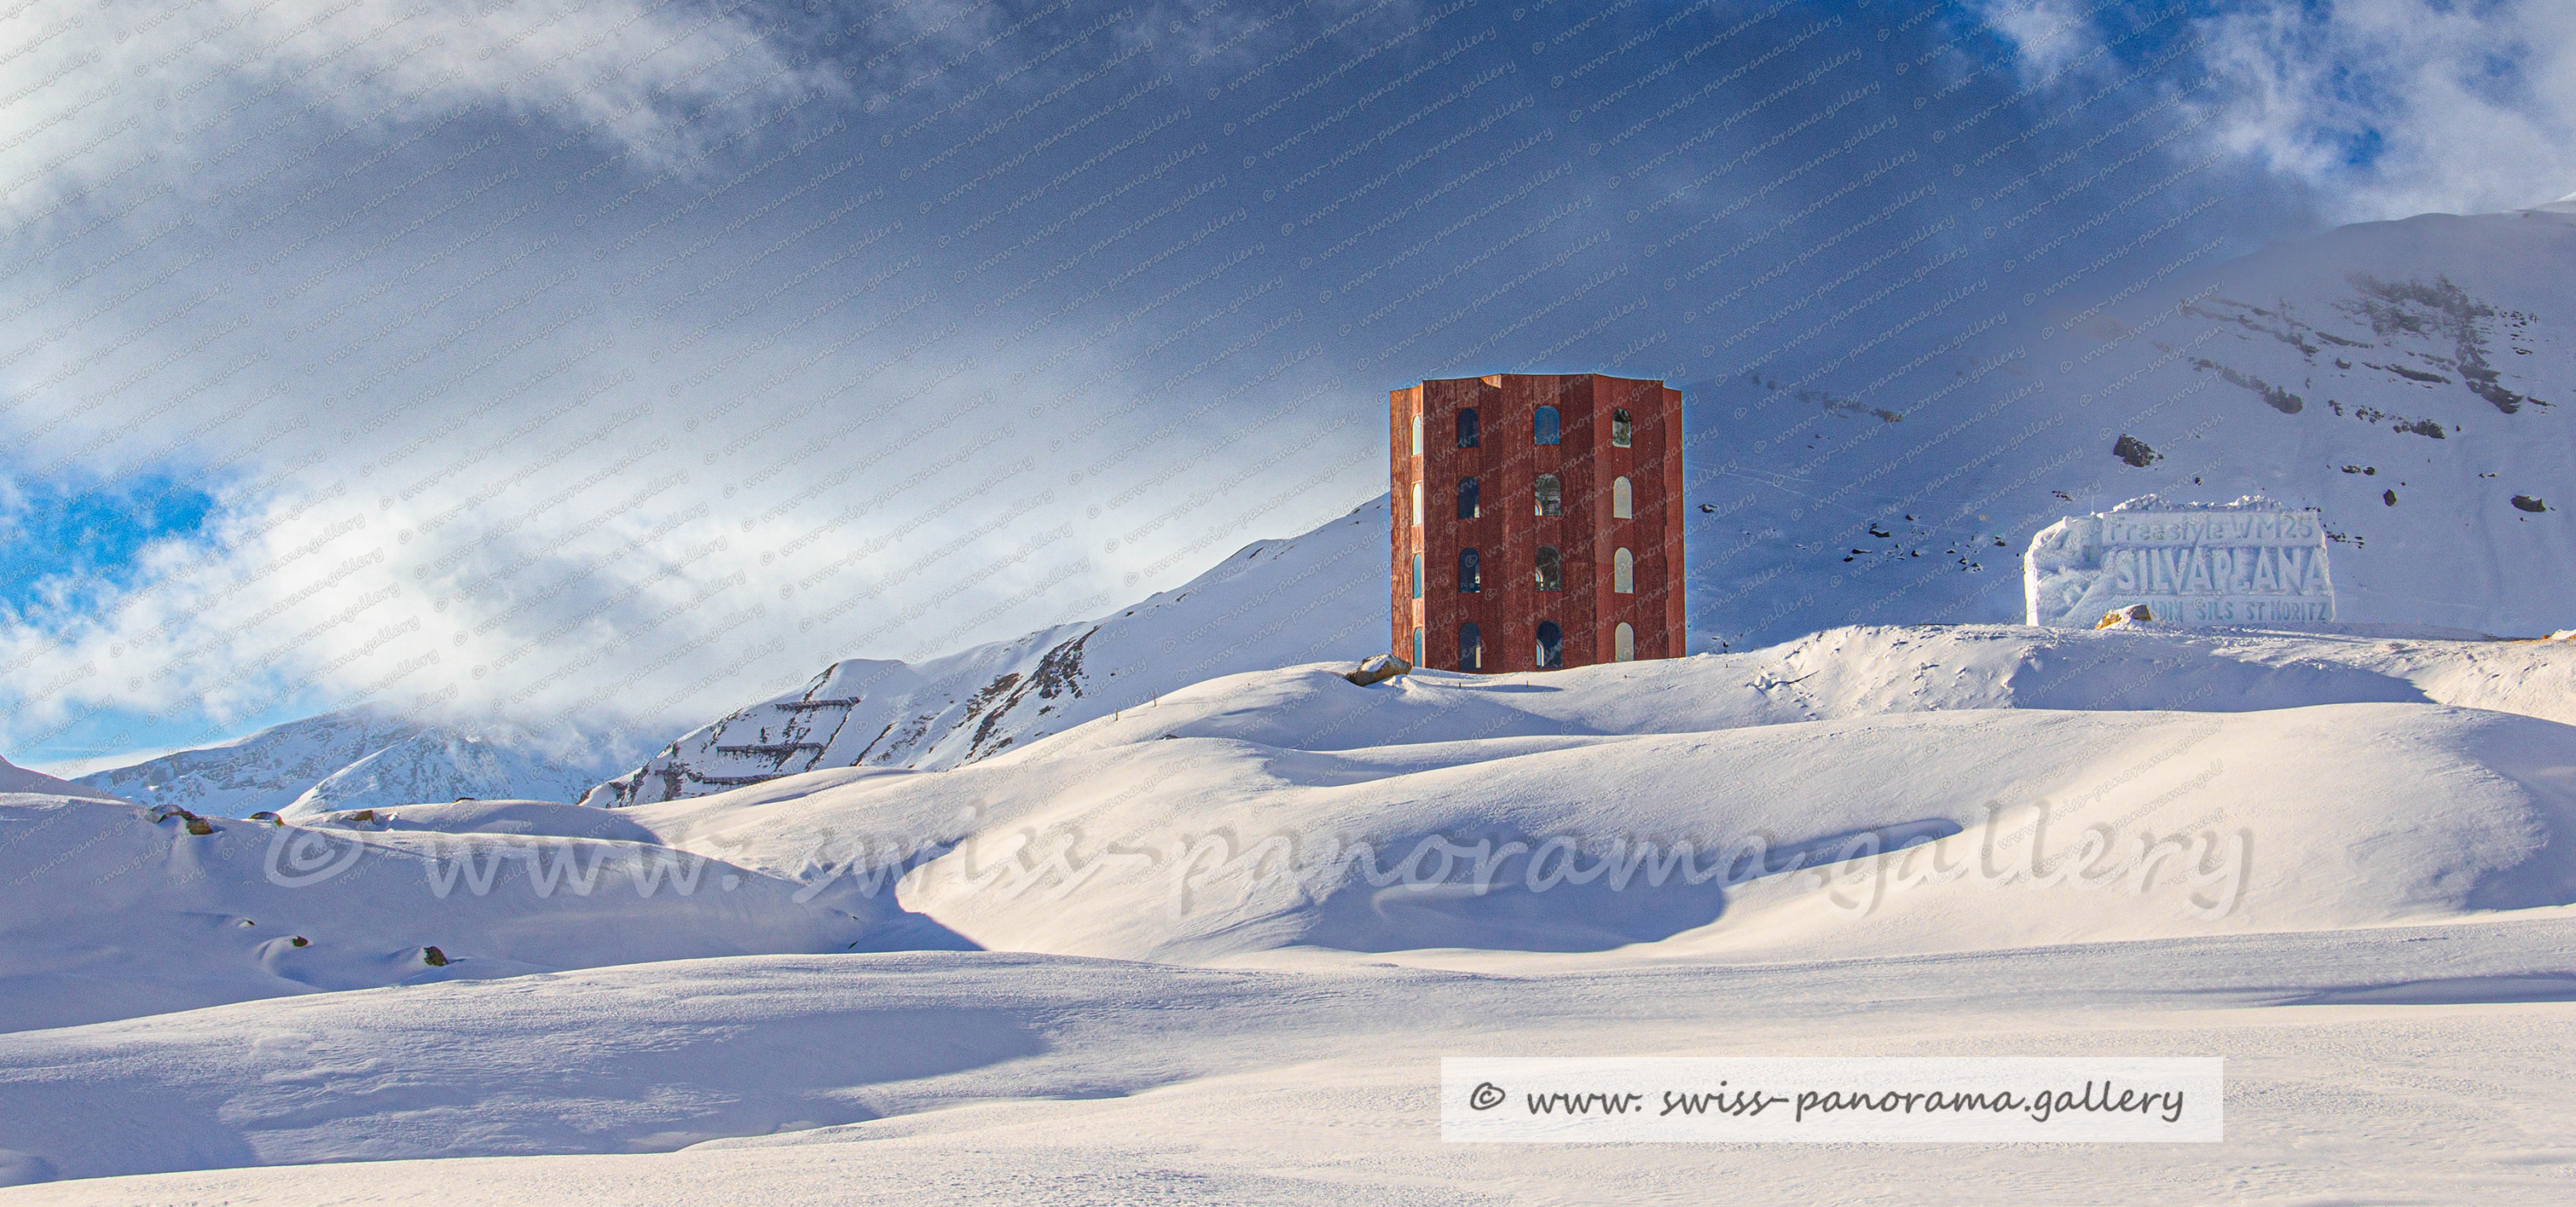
(601, 365)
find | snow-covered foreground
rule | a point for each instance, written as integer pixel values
(112, 915)
(2383, 1066)
(1228, 934)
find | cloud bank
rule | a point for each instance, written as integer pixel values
(2389, 108)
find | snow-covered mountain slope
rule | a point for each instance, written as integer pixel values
(349, 759)
(2403, 377)
(1289, 807)
(115, 915)
(1273, 603)
(440, 765)
(266, 770)
(2409, 379)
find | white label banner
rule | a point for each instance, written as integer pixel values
(1832, 1099)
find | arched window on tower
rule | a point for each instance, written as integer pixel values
(1471, 647)
(1623, 572)
(1623, 430)
(1417, 433)
(1551, 496)
(1471, 574)
(1417, 576)
(1467, 427)
(1417, 501)
(1623, 500)
(1551, 645)
(1551, 569)
(1543, 426)
(1468, 505)
(1623, 643)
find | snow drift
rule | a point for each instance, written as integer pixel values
(1732, 819)
(117, 914)
(1693, 801)
(1683, 805)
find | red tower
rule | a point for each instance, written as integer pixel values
(1538, 521)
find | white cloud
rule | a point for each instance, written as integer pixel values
(422, 441)
(389, 527)
(2045, 34)
(333, 594)
(2398, 107)
(92, 89)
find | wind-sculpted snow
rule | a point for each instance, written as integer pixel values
(1683, 802)
(978, 1078)
(2215, 821)
(2190, 775)
(116, 914)
(658, 1048)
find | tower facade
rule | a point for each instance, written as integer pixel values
(1537, 521)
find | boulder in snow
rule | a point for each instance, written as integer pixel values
(1378, 668)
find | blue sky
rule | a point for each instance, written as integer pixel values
(64, 541)
(68, 543)
(606, 364)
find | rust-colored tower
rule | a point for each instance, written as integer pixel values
(1538, 521)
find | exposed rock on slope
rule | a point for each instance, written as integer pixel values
(2429, 355)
